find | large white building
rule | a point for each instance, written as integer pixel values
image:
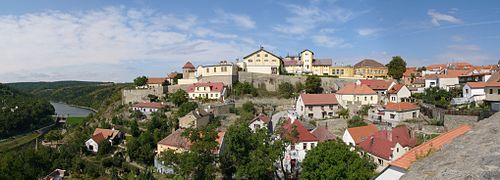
(316, 106)
(353, 94)
(261, 121)
(147, 107)
(210, 90)
(262, 61)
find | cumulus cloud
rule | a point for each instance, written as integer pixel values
(50, 40)
(330, 42)
(240, 20)
(437, 17)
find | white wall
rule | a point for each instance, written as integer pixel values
(92, 143)
(445, 83)
(299, 153)
(145, 110)
(347, 138)
(391, 173)
(430, 83)
(473, 94)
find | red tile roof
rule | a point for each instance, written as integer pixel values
(156, 80)
(188, 65)
(409, 71)
(381, 142)
(395, 89)
(264, 118)
(292, 62)
(359, 134)
(376, 84)
(356, 89)
(494, 80)
(476, 85)
(106, 133)
(98, 138)
(149, 105)
(172, 75)
(401, 106)
(214, 86)
(175, 139)
(323, 134)
(318, 99)
(437, 143)
(303, 134)
(436, 66)
(369, 63)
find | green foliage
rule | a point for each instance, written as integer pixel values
(134, 128)
(396, 67)
(153, 98)
(137, 115)
(141, 148)
(343, 113)
(247, 111)
(20, 112)
(299, 87)
(104, 148)
(179, 97)
(356, 121)
(75, 121)
(313, 85)
(334, 160)
(364, 110)
(185, 108)
(245, 88)
(53, 135)
(286, 90)
(140, 81)
(439, 97)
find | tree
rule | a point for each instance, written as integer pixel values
(185, 108)
(286, 90)
(343, 113)
(299, 87)
(53, 135)
(356, 121)
(364, 110)
(179, 97)
(244, 88)
(134, 128)
(247, 111)
(396, 67)
(334, 160)
(153, 98)
(104, 148)
(313, 85)
(141, 81)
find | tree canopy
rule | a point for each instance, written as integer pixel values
(396, 67)
(179, 97)
(244, 88)
(356, 121)
(334, 160)
(313, 85)
(286, 90)
(140, 81)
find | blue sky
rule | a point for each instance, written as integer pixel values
(119, 40)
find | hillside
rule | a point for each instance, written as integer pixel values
(81, 93)
(474, 155)
(22, 112)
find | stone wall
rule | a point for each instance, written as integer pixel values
(140, 95)
(227, 80)
(271, 81)
(173, 88)
(454, 121)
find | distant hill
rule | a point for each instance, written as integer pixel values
(22, 112)
(81, 93)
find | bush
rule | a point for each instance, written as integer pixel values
(356, 121)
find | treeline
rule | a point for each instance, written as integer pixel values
(21, 112)
(89, 94)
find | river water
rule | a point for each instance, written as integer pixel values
(64, 109)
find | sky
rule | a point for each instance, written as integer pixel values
(94, 40)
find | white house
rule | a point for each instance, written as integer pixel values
(474, 91)
(446, 82)
(261, 121)
(316, 106)
(431, 81)
(210, 90)
(398, 92)
(147, 107)
(100, 135)
(303, 142)
(353, 94)
(377, 85)
(355, 135)
(394, 113)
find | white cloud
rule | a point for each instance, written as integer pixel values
(240, 20)
(464, 47)
(436, 17)
(368, 31)
(330, 42)
(52, 40)
(464, 52)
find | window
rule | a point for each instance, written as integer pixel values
(393, 116)
(258, 55)
(312, 145)
(208, 70)
(304, 146)
(357, 98)
(498, 91)
(331, 106)
(310, 115)
(393, 98)
(366, 98)
(371, 98)
(301, 108)
(216, 95)
(397, 149)
(380, 161)
(414, 114)
(341, 71)
(491, 91)
(265, 55)
(310, 108)
(466, 91)
(211, 95)
(250, 60)
(215, 69)
(274, 60)
(258, 60)
(256, 126)
(266, 60)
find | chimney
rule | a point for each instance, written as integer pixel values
(372, 140)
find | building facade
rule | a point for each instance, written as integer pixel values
(394, 113)
(211, 90)
(474, 91)
(398, 93)
(262, 61)
(316, 106)
(305, 63)
(370, 69)
(343, 71)
(353, 94)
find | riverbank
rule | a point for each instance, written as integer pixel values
(77, 106)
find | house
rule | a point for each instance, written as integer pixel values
(209, 90)
(434, 69)
(172, 77)
(449, 79)
(356, 94)
(418, 85)
(398, 93)
(147, 108)
(492, 91)
(379, 86)
(323, 134)
(387, 145)
(224, 72)
(100, 135)
(394, 113)
(195, 119)
(300, 144)
(57, 174)
(261, 121)
(476, 74)
(474, 91)
(307, 64)
(188, 74)
(355, 135)
(370, 69)
(316, 106)
(157, 81)
(400, 166)
(262, 61)
(431, 81)
(343, 71)
(410, 75)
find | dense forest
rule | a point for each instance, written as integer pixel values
(22, 112)
(81, 93)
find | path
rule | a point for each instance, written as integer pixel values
(276, 117)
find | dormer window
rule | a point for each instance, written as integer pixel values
(258, 55)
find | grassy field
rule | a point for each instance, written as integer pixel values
(72, 121)
(18, 141)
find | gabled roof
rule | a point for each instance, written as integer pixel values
(156, 105)
(307, 50)
(401, 106)
(369, 63)
(419, 81)
(172, 75)
(409, 71)
(323, 134)
(476, 85)
(318, 99)
(376, 84)
(156, 80)
(396, 88)
(303, 134)
(322, 62)
(261, 49)
(381, 142)
(437, 143)
(98, 138)
(436, 66)
(188, 65)
(106, 133)
(356, 90)
(214, 86)
(494, 80)
(264, 118)
(359, 134)
(175, 139)
(292, 62)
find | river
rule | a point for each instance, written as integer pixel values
(65, 109)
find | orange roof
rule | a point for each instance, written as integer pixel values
(474, 85)
(303, 134)
(436, 66)
(437, 143)
(156, 80)
(356, 89)
(318, 99)
(98, 138)
(358, 134)
(376, 84)
(172, 75)
(188, 65)
(106, 133)
(409, 71)
(401, 106)
(395, 89)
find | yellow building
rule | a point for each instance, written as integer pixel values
(343, 71)
(370, 69)
(262, 61)
(305, 63)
